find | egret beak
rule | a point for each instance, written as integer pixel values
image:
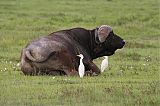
(79, 55)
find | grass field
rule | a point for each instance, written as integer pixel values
(133, 76)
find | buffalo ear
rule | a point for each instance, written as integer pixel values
(103, 32)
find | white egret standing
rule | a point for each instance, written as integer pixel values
(104, 63)
(81, 68)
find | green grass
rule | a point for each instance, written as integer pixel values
(133, 74)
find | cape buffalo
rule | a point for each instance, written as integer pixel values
(56, 54)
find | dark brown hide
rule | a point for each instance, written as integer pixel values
(56, 54)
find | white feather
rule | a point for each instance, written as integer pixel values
(81, 68)
(104, 63)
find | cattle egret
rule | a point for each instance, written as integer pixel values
(104, 63)
(81, 67)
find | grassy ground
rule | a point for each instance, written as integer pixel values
(133, 74)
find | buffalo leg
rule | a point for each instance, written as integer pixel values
(94, 69)
(71, 72)
(56, 73)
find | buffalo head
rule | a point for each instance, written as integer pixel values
(107, 42)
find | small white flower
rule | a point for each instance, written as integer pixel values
(53, 77)
(5, 69)
(10, 62)
(144, 64)
(1, 70)
(66, 79)
(18, 64)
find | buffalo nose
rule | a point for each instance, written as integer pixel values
(123, 42)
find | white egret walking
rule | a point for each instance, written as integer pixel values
(81, 68)
(104, 63)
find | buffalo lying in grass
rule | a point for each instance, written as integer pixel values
(56, 54)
